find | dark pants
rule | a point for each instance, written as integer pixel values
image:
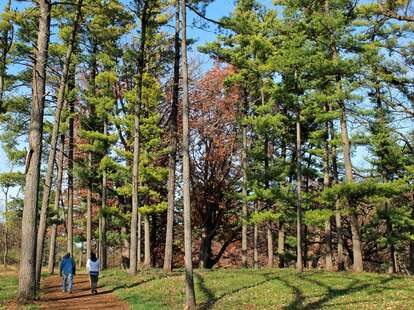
(94, 281)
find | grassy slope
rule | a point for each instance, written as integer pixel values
(264, 289)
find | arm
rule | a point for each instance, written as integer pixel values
(73, 267)
(61, 267)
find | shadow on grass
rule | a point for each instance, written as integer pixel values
(298, 303)
(212, 298)
(134, 284)
(331, 293)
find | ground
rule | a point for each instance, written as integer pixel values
(265, 289)
(228, 289)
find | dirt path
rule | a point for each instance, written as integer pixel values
(52, 296)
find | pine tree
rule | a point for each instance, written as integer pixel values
(27, 271)
(52, 154)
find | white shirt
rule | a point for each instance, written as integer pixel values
(92, 266)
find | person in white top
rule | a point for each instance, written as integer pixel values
(93, 268)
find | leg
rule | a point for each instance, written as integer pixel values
(91, 282)
(94, 282)
(64, 282)
(70, 282)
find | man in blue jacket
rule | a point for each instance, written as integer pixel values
(67, 271)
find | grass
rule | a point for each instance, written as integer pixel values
(263, 289)
(8, 286)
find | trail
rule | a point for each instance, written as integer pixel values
(52, 296)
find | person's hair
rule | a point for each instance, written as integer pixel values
(93, 256)
(67, 255)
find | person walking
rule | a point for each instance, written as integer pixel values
(67, 271)
(93, 268)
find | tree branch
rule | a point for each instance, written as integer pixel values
(205, 17)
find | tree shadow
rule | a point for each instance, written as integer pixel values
(297, 303)
(331, 293)
(134, 284)
(212, 299)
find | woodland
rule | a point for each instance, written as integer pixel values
(291, 147)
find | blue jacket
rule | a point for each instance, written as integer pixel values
(67, 265)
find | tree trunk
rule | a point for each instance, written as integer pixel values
(52, 153)
(207, 259)
(89, 213)
(135, 164)
(69, 224)
(52, 244)
(299, 262)
(338, 220)
(6, 228)
(154, 242)
(89, 228)
(411, 247)
(326, 184)
(328, 246)
(356, 239)
(168, 263)
(281, 245)
(139, 239)
(147, 241)
(27, 270)
(269, 245)
(245, 213)
(255, 241)
(392, 264)
(102, 216)
(188, 257)
(6, 44)
(205, 248)
(125, 250)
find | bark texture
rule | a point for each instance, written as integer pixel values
(53, 143)
(168, 263)
(135, 164)
(188, 261)
(27, 269)
(52, 243)
(299, 260)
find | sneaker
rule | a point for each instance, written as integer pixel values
(70, 292)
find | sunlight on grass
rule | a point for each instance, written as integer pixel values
(264, 289)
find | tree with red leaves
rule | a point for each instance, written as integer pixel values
(214, 169)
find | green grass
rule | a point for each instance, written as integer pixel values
(9, 284)
(8, 287)
(264, 289)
